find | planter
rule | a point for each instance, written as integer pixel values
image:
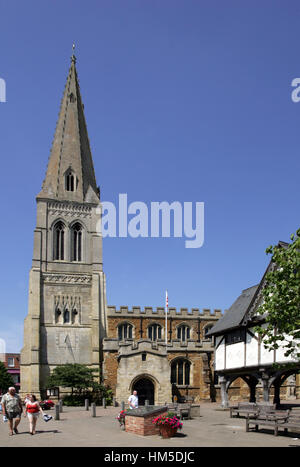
(167, 431)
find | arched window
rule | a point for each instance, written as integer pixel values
(180, 372)
(57, 315)
(183, 332)
(59, 241)
(74, 316)
(66, 316)
(154, 332)
(71, 181)
(76, 242)
(125, 331)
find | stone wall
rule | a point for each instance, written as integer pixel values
(123, 363)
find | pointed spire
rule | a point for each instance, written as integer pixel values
(70, 174)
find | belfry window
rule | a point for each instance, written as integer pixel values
(70, 181)
(154, 332)
(74, 316)
(76, 242)
(66, 316)
(180, 372)
(59, 241)
(124, 331)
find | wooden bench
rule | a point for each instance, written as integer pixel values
(181, 411)
(269, 418)
(293, 421)
(189, 399)
(251, 409)
(245, 408)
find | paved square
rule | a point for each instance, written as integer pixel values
(77, 428)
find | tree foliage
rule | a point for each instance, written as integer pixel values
(72, 375)
(281, 299)
(83, 383)
(5, 378)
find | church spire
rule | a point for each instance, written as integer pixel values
(70, 174)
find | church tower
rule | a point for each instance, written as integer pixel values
(66, 319)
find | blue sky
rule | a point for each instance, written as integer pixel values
(184, 101)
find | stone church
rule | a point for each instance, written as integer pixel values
(68, 318)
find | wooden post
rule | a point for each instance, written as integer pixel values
(93, 406)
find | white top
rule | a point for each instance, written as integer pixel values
(133, 402)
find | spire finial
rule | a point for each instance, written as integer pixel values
(73, 58)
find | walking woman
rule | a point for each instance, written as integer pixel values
(33, 408)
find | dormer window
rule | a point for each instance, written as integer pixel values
(70, 181)
(72, 97)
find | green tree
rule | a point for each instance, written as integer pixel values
(281, 299)
(99, 392)
(72, 375)
(5, 378)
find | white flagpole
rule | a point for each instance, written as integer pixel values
(166, 324)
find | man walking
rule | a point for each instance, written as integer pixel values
(12, 408)
(133, 401)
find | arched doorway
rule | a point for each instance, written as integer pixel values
(145, 390)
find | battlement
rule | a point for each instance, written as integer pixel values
(149, 311)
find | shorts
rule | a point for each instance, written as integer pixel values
(32, 416)
(12, 415)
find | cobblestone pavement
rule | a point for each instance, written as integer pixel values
(77, 428)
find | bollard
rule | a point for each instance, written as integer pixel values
(56, 411)
(60, 405)
(114, 402)
(146, 402)
(93, 406)
(122, 405)
(104, 402)
(86, 403)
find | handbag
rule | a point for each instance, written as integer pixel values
(47, 417)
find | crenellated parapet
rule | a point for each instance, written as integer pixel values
(148, 311)
(130, 346)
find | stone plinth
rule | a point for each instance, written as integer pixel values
(195, 410)
(139, 421)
